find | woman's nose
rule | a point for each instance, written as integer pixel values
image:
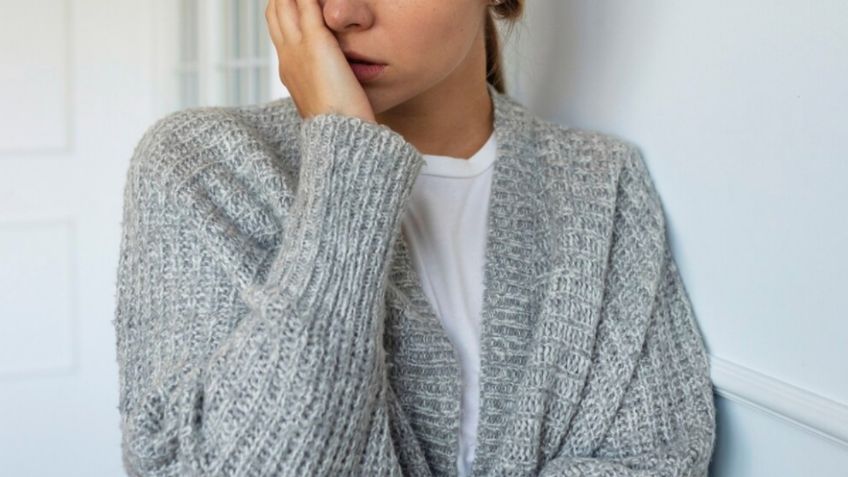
(343, 15)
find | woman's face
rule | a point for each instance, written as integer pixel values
(423, 42)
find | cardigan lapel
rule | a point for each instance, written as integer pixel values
(545, 260)
(515, 258)
(427, 379)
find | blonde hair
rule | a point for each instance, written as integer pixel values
(511, 11)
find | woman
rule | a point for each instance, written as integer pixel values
(272, 316)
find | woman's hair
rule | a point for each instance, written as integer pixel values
(511, 11)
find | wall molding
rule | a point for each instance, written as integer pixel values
(69, 89)
(821, 415)
(59, 349)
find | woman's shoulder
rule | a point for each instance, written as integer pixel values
(222, 176)
(198, 121)
(223, 167)
(249, 141)
(567, 143)
(607, 163)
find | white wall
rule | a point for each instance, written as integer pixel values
(75, 97)
(740, 111)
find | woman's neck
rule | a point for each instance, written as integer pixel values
(447, 129)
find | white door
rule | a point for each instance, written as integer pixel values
(81, 81)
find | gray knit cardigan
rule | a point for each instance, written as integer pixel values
(269, 321)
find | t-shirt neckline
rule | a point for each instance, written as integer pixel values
(447, 166)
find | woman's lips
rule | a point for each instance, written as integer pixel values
(365, 71)
(360, 58)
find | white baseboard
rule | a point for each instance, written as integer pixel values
(821, 415)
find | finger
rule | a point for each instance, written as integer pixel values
(273, 24)
(311, 16)
(287, 16)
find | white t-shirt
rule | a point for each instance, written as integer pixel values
(445, 224)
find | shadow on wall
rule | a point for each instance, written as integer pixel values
(725, 460)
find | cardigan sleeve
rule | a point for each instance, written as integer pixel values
(297, 386)
(665, 422)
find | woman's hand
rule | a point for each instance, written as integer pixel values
(312, 65)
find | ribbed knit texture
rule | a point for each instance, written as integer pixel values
(269, 320)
